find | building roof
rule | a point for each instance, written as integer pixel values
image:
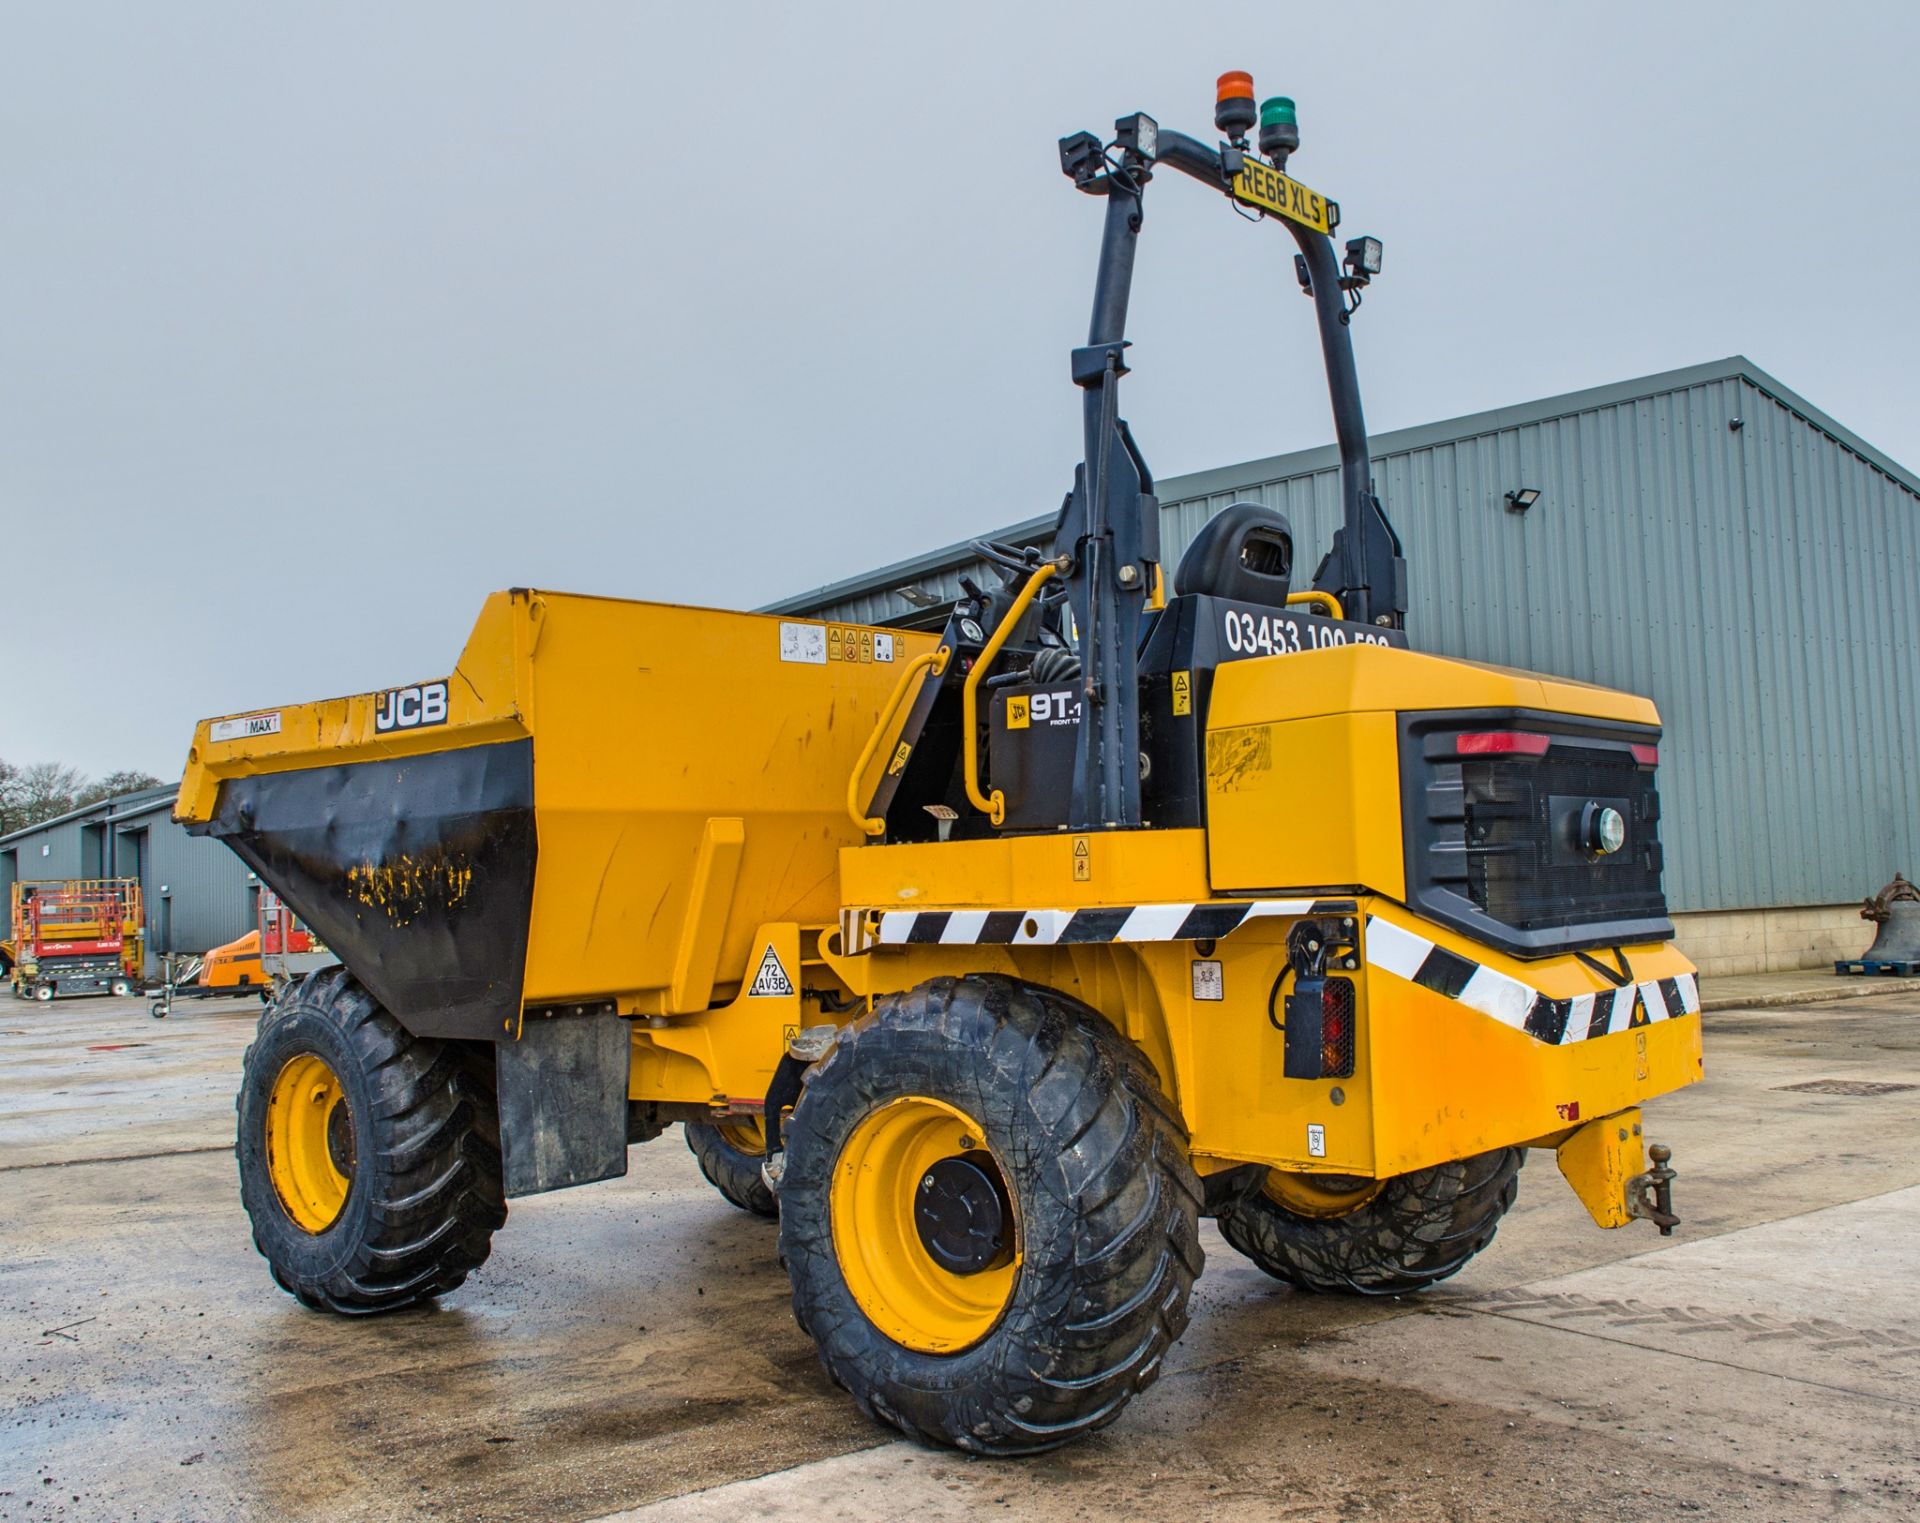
(1323, 457)
(120, 807)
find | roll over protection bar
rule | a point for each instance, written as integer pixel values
(1108, 533)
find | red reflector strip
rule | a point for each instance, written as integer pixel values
(1503, 742)
(1647, 756)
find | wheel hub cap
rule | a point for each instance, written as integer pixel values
(960, 1214)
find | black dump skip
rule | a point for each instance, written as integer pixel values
(417, 873)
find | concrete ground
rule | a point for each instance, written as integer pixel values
(628, 1349)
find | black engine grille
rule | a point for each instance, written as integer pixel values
(1496, 807)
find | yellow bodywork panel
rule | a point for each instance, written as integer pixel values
(1356, 679)
(1065, 870)
(1599, 1159)
(690, 772)
(1306, 802)
(1449, 1080)
(651, 722)
(1433, 1078)
(1303, 758)
(484, 703)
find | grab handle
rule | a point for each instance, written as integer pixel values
(995, 808)
(936, 660)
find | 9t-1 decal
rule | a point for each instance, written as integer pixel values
(410, 708)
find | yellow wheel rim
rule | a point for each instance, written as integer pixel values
(1319, 1195)
(310, 1150)
(905, 1292)
(744, 1135)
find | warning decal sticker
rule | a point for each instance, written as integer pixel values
(804, 642)
(1207, 980)
(771, 980)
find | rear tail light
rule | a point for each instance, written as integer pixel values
(1646, 755)
(1319, 1029)
(1336, 1029)
(1502, 743)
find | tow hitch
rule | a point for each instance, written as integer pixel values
(1650, 1195)
(1600, 1160)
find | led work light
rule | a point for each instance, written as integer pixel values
(1138, 134)
(1363, 257)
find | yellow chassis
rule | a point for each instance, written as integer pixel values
(1434, 1078)
(692, 800)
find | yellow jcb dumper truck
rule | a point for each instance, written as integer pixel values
(989, 960)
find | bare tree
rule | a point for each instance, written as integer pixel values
(113, 785)
(45, 789)
(32, 794)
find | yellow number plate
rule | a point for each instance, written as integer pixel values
(1264, 186)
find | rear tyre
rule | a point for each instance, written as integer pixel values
(369, 1158)
(730, 1155)
(120, 988)
(1374, 1238)
(43, 993)
(988, 1216)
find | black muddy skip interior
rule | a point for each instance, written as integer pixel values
(417, 872)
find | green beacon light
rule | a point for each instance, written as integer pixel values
(1279, 128)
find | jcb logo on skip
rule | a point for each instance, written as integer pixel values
(410, 708)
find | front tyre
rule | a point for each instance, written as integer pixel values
(369, 1158)
(1374, 1238)
(988, 1216)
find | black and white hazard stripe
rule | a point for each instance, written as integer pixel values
(1557, 1022)
(1207, 921)
(1388, 947)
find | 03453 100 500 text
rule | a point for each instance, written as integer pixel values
(1278, 634)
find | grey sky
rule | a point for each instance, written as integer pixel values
(318, 324)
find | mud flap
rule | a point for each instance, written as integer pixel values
(563, 1101)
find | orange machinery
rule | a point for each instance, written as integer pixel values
(276, 947)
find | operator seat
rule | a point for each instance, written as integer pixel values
(1244, 552)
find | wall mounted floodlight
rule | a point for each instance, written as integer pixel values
(1522, 499)
(916, 597)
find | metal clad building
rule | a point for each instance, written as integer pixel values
(1704, 536)
(198, 893)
